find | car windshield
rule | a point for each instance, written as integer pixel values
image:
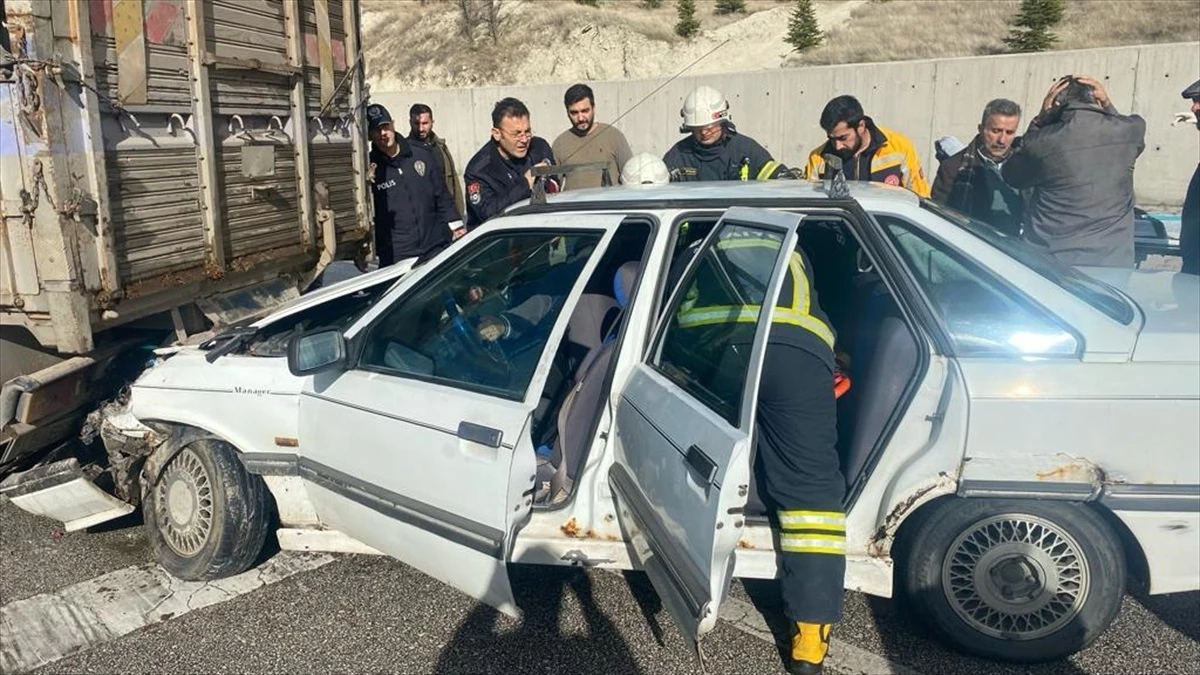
(481, 320)
(1092, 291)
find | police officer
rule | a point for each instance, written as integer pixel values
(499, 175)
(415, 216)
(796, 435)
(714, 150)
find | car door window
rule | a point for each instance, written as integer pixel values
(482, 321)
(982, 316)
(705, 347)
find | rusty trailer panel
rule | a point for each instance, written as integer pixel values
(153, 146)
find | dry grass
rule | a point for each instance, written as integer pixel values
(406, 36)
(410, 44)
(901, 30)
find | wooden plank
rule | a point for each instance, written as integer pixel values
(206, 152)
(129, 27)
(299, 121)
(324, 51)
(98, 176)
(358, 136)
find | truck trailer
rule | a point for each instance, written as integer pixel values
(167, 168)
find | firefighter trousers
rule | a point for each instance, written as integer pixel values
(798, 463)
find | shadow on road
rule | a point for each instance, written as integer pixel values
(483, 644)
(1180, 611)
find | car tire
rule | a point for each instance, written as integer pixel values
(1014, 580)
(206, 515)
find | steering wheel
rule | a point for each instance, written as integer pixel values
(468, 335)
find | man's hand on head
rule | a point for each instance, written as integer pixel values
(1098, 90)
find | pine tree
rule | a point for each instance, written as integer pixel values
(651, 4)
(688, 24)
(730, 6)
(589, 3)
(803, 31)
(1031, 26)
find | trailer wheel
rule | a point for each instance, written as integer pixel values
(1015, 580)
(207, 516)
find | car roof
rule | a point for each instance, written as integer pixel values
(871, 196)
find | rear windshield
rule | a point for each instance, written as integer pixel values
(1092, 291)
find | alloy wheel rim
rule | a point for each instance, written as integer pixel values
(1015, 577)
(185, 504)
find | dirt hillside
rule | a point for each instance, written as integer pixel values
(415, 44)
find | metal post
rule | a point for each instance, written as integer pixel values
(203, 119)
(299, 113)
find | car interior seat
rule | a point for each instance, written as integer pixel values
(579, 411)
(890, 367)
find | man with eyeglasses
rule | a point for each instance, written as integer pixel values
(500, 175)
(868, 151)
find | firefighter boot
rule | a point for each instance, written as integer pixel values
(810, 643)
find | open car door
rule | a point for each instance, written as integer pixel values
(684, 423)
(418, 444)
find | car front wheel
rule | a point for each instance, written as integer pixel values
(206, 515)
(1015, 580)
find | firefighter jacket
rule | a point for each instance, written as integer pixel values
(734, 157)
(889, 158)
(797, 320)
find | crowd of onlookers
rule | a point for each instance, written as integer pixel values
(1066, 184)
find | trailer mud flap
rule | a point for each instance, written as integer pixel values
(63, 491)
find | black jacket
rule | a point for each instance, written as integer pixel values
(1079, 166)
(495, 183)
(412, 204)
(970, 183)
(1189, 227)
(688, 160)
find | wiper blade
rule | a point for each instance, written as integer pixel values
(227, 342)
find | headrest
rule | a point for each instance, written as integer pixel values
(624, 280)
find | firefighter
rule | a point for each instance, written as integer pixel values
(714, 150)
(795, 437)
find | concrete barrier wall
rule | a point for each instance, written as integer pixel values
(924, 99)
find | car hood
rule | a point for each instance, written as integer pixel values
(1170, 303)
(340, 289)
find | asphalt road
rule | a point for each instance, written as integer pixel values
(364, 613)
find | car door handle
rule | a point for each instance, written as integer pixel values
(480, 434)
(702, 464)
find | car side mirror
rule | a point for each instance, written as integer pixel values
(316, 352)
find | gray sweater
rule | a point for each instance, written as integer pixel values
(1078, 170)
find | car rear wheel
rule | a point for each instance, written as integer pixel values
(206, 515)
(1015, 580)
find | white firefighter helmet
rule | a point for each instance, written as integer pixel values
(645, 169)
(703, 106)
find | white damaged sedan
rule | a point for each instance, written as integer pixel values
(1017, 439)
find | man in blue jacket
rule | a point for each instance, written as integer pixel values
(415, 216)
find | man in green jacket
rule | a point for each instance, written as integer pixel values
(420, 120)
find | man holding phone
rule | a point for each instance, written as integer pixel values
(1077, 163)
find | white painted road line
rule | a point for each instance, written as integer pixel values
(42, 629)
(843, 658)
